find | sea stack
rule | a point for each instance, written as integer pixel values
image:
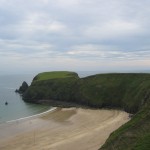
(22, 88)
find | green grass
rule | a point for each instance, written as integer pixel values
(126, 91)
(143, 143)
(129, 92)
(54, 75)
(134, 135)
(123, 91)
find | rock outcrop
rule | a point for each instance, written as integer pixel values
(22, 88)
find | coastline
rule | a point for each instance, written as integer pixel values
(62, 128)
(33, 116)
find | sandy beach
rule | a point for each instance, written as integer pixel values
(62, 129)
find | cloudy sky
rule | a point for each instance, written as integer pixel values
(99, 35)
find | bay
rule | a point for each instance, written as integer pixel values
(16, 107)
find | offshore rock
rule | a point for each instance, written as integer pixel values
(22, 88)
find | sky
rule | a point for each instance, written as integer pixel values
(75, 35)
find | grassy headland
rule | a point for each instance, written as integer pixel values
(129, 92)
(124, 91)
(55, 75)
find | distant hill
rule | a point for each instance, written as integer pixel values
(126, 91)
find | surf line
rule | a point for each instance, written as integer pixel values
(29, 117)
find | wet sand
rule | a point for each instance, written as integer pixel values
(62, 129)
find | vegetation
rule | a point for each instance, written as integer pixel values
(54, 75)
(134, 135)
(130, 92)
(124, 91)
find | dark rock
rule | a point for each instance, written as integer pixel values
(22, 88)
(17, 91)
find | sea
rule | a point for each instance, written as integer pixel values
(16, 107)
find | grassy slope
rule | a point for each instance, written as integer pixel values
(125, 91)
(130, 92)
(54, 75)
(51, 85)
(134, 135)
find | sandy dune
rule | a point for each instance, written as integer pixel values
(63, 129)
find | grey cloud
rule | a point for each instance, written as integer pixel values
(90, 30)
(107, 52)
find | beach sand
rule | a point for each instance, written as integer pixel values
(62, 129)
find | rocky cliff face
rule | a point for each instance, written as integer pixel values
(22, 88)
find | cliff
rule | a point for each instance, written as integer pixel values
(124, 91)
(22, 88)
(129, 92)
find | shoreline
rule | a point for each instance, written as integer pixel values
(31, 117)
(61, 129)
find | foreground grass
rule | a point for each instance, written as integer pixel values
(134, 135)
(143, 143)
